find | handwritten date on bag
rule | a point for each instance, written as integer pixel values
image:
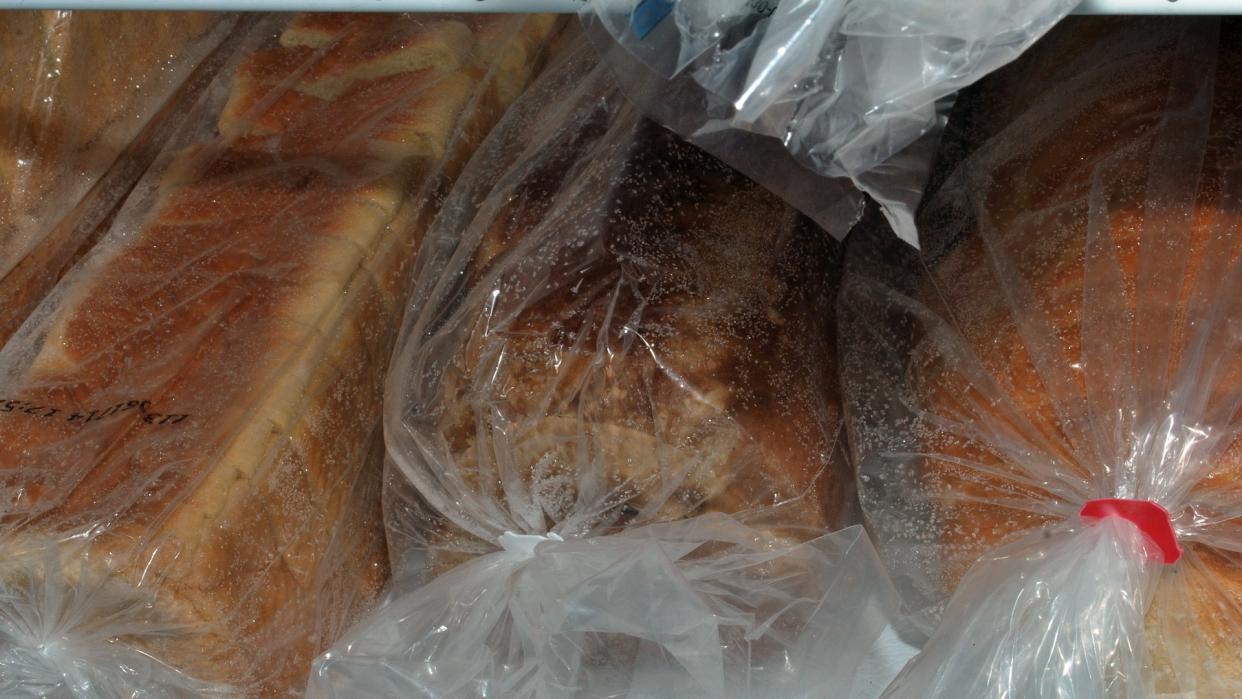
(83, 417)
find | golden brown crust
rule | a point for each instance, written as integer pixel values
(83, 99)
(1032, 193)
(254, 312)
(57, 63)
(689, 359)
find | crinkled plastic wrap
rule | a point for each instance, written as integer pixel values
(848, 88)
(190, 442)
(1069, 336)
(86, 101)
(697, 608)
(614, 410)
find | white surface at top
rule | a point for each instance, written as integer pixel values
(1096, 7)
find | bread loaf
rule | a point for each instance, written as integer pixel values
(630, 332)
(611, 424)
(209, 379)
(1070, 342)
(85, 101)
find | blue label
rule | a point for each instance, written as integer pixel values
(648, 14)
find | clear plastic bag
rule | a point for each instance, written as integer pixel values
(596, 305)
(848, 88)
(86, 101)
(1067, 337)
(619, 352)
(190, 443)
(697, 608)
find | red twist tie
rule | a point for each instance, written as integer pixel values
(1151, 519)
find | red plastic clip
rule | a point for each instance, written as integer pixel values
(1151, 519)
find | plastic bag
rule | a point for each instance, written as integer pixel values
(188, 500)
(697, 608)
(613, 408)
(848, 88)
(1059, 364)
(596, 304)
(87, 99)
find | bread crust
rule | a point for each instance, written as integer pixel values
(1085, 107)
(253, 312)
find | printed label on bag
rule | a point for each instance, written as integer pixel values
(82, 417)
